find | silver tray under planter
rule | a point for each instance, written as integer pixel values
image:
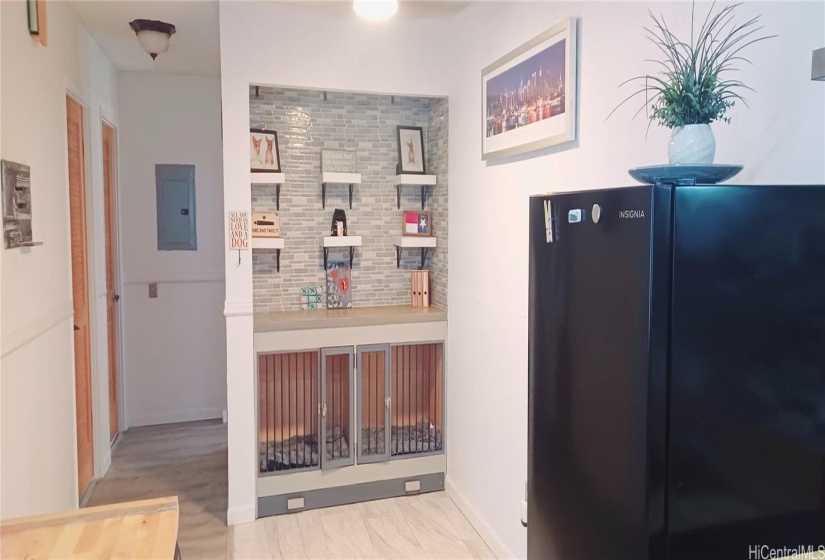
(684, 174)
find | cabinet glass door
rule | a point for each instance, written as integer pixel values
(337, 407)
(373, 403)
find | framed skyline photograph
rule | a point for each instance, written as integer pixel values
(417, 224)
(410, 149)
(529, 95)
(264, 154)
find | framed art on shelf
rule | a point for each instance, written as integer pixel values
(529, 95)
(417, 224)
(410, 149)
(264, 154)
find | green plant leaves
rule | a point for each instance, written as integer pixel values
(687, 88)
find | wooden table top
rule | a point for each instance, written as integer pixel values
(131, 530)
(353, 317)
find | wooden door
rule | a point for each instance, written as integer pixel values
(80, 295)
(112, 298)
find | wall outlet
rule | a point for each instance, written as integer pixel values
(153, 290)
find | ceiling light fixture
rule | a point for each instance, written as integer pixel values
(152, 35)
(375, 9)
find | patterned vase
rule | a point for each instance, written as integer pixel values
(692, 144)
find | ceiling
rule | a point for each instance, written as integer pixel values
(407, 9)
(195, 48)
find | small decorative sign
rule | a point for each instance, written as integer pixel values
(266, 224)
(417, 224)
(339, 161)
(239, 230)
(17, 204)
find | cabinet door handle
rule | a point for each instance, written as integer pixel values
(76, 328)
(117, 298)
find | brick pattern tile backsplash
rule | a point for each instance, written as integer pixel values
(306, 124)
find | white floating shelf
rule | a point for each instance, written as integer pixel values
(419, 180)
(342, 241)
(412, 241)
(341, 178)
(268, 178)
(267, 242)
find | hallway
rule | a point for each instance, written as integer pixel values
(187, 460)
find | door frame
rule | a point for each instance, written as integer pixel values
(95, 111)
(84, 493)
(106, 118)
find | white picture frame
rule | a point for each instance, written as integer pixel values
(529, 97)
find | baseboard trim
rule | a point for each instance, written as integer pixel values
(238, 515)
(36, 328)
(175, 416)
(478, 522)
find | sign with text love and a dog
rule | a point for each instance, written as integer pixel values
(239, 230)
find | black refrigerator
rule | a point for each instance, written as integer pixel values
(677, 373)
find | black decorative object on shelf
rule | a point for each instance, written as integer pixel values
(339, 216)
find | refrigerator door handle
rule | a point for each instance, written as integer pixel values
(550, 221)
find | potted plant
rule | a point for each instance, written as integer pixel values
(692, 88)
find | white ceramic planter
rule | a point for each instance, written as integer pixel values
(692, 144)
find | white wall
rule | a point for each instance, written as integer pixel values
(37, 406)
(780, 139)
(312, 48)
(174, 347)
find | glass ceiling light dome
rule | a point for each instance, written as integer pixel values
(152, 35)
(375, 9)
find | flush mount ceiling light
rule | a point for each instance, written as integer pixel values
(152, 35)
(375, 9)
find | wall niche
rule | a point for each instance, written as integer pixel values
(308, 121)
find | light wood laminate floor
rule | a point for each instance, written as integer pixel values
(187, 460)
(425, 526)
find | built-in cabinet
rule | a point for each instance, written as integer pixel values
(350, 406)
(390, 406)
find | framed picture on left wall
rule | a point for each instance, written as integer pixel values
(264, 154)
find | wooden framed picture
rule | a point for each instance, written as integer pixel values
(417, 224)
(529, 95)
(410, 149)
(263, 150)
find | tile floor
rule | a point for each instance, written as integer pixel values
(425, 526)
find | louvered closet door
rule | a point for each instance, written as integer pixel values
(373, 403)
(80, 295)
(337, 407)
(112, 298)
